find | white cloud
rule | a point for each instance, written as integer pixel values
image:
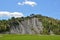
(31, 3)
(10, 14)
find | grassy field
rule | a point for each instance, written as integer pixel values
(28, 37)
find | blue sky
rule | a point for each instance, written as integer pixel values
(49, 8)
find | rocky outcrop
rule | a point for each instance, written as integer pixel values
(29, 26)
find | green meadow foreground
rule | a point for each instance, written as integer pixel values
(28, 37)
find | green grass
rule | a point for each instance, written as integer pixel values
(28, 37)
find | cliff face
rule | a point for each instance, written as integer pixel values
(29, 26)
(36, 24)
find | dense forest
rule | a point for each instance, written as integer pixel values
(49, 24)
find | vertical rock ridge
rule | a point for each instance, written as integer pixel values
(29, 26)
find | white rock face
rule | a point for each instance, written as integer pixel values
(30, 26)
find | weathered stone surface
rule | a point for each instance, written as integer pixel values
(30, 26)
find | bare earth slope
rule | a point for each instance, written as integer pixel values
(30, 26)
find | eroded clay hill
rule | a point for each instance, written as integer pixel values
(29, 26)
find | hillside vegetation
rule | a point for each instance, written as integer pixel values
(50, 25)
